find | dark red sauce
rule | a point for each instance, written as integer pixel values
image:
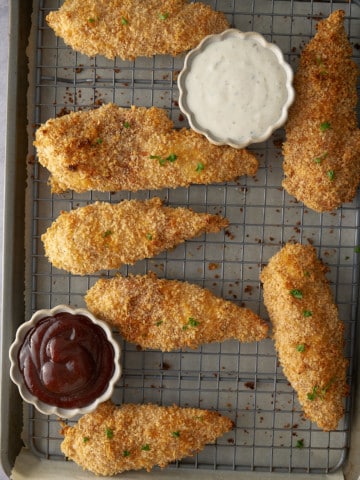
(66, 360)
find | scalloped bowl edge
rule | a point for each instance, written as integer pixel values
(288, 85)
(17, 377)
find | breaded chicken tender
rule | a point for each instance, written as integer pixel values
(133, 28)
(113, 148)
(322, 147)
(170, 314)
(105, 236)
(132, 437)
(307, 331)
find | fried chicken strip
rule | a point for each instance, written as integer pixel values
(113, 148)
(133, 28)
(105, 236)
(132, 437)
(170, 314)
(307, 331)
(322, 147)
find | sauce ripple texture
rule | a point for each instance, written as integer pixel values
(66, 360)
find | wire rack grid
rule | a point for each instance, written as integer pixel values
(243, 381)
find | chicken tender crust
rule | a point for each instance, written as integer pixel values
(322, 147)
(133, 28)
(170, 314)
(105, 236)
(308, 334)
(131, 437)
(113, 148)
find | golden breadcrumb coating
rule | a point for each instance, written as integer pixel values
(105, 236)
(113, 148)
(307, 332)
(322, 147)
(133, 28)
(170, 314)
(131, 437)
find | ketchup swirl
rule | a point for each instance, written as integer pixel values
(66, 360)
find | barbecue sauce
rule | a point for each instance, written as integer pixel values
(66, 360)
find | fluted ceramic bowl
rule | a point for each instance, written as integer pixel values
(60, 345)
(235, 88)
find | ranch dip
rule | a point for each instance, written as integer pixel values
(235, 88)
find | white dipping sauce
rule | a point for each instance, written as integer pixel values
(236, 88)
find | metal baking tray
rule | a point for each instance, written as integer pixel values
(243, 381)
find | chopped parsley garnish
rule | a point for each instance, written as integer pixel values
(300, 443)
(92, 20)
(163, 16)
(200, 166)
(107, 233)
(99, 141)
(160, 322)
(325, 126)
(301, 348)
(149, 236)
(320, 158)
(176, 434)
(318, 392)
(192, 322)
(86, 439)
(126, 125)
(126, 453)
(171, 158)
(109, 433)
(145, 447)
(307, 313)
(296, 293)
(124, 21)
(331, 174)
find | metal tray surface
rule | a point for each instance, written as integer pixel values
(243, 381)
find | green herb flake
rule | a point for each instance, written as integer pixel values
(126, 453)
(300, 443)
(325, 126)
(301, 348)
(200, 166)
(92, 20)
(318, 392)
(126, 125)
(107, 233)
(99, 141)
(145, 447)
(86, 439)
(109, 433)
(171, 158)
(192, 322)
(307, 313)
(296, 293)
(163, 16)
(149, 236)
(124, 21)
(321, 157)
(331, 175)
(176, 434)
(160, 322)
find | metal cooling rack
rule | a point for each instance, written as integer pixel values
(243, 381)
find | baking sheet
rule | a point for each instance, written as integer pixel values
(242, 381)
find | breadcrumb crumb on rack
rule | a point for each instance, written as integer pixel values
(114, 439)
(308, 334)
